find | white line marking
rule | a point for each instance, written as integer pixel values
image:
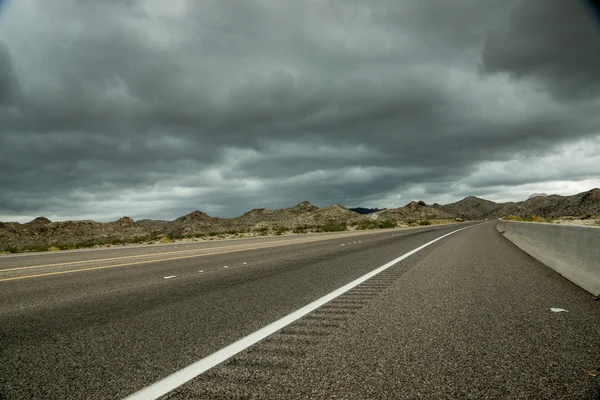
(244, 263)
(201, 270)
(558, 309)
(226, 266)
(188, 373)
(170, 277)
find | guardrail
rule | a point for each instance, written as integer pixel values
(572, 251)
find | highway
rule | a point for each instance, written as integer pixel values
(467, 316)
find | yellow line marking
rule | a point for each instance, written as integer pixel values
(320, 238)
(123, 257)
(154, 261)
(166, 253)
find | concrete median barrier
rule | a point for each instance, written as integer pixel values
(572, 251)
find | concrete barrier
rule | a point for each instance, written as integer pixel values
(572, 251)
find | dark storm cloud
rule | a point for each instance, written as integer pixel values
(555, 42)
(154, 108)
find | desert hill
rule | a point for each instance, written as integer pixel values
(41, 233)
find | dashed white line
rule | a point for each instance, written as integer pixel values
(190, 372)
(201, 270)
(226, 266)
(171, 277)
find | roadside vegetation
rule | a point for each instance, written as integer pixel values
(531, 218)
(370, 224)
(423, 222)
(277, 230)
(333, 226)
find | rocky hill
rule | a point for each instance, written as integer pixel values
(470, 208)
(415, 210)
(548, 206)
(41, 233)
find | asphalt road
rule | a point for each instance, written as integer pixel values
(467, 317)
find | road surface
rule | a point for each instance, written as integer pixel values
(468, 316)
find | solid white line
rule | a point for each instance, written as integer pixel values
(190, 372)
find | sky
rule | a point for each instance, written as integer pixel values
(153, 108)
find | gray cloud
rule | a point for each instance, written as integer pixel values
(153, 109)
(556, 43)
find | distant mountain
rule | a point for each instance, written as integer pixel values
(362, 210)
(549, 206)
(470, 208)
(43, 233)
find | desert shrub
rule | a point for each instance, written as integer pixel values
(531, 218)
(67, 246)
(364, 225)
(301, 229)
(36, 248)
(279, 230)
(424, 222)
(263, 230)
(370, 224)
(116, 241)
(386, 224)
(333, 226)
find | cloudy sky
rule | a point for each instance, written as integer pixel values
(153, 108)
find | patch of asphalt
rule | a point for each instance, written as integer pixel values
(107, 333)
(469, 318)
